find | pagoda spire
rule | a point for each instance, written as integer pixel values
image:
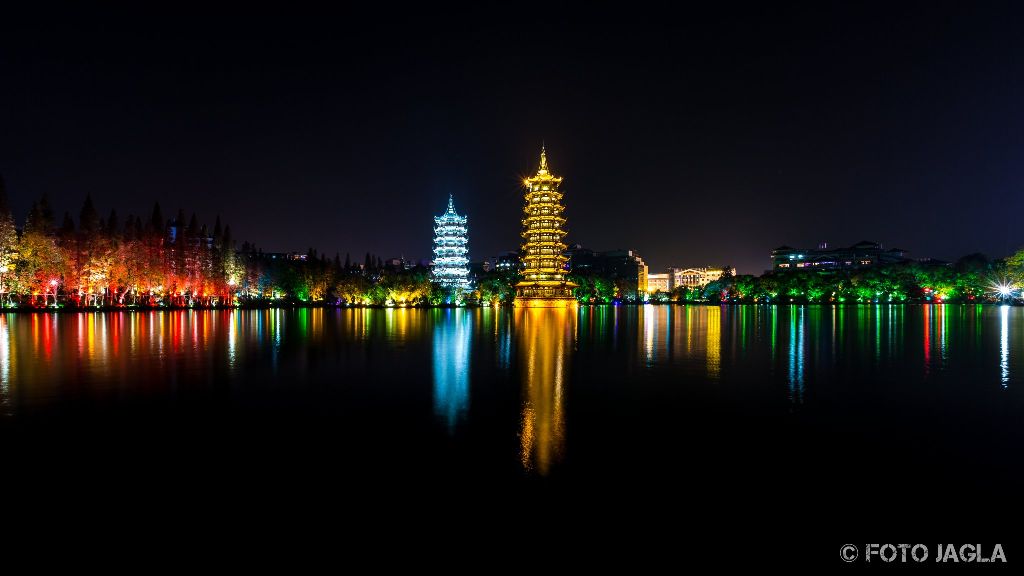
(543, 160)
(451, 204)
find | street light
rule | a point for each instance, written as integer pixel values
(1005, 291)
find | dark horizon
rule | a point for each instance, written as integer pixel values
(709, 140)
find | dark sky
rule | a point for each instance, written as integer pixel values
(691, 137)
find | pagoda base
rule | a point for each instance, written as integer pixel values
(544, 302)
(544, 294)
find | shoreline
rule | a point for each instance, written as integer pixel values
(309, 306)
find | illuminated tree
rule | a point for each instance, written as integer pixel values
(496, 289)
(353, 289)
(1013, 269)
(592, 288)
(8, 241)
(41, 262)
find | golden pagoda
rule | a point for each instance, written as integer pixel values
(543, 277)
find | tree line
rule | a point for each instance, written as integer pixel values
(155, 262)
(973, 278)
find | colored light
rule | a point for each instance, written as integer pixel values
(451, 264)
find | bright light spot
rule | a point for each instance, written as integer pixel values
(1004, 290)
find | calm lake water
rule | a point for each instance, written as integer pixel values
(817, 410)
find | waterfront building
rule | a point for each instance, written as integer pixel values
(508, 261)
(865, 254)
(625, 266)
(544, 266)
(696, 277)
(451, 265)
(657, 282)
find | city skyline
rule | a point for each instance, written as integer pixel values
(719, 141)
(482, 256)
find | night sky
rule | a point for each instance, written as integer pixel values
(693, 138)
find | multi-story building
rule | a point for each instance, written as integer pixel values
(657, 282)
(399, 264)
(504, 262)
(624, 265)
(696, 277)
(863, 254)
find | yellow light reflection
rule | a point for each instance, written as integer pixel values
(401, 323)
(316, 324)
(714, 341)
(648, 321)
(690, 318)
(545, 347)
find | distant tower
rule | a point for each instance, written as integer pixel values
(543, 281)
(451, 266)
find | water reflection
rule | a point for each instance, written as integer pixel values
(926, 312)
(545, 341)
(453, 333)
(48, 358)
(6, 404)
(233, 321)
(1004, 345)
(796, 355)
(502, 338)
(650, 324)
(714, 341)
(656, 332)
(942, 321)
